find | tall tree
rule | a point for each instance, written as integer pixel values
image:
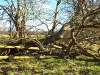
(18, 13)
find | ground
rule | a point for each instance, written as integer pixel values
(50, 66)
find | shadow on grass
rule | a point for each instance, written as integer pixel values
(51, 66)
(88, 60)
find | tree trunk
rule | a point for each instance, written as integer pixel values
(56, 36)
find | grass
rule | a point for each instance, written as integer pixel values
(49, 66)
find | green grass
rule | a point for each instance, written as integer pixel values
(50, 66)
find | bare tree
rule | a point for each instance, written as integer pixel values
(84, 18)
(18, 14)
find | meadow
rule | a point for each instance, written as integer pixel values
(49, 65)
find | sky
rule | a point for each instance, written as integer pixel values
(50, 5)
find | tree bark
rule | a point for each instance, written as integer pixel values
(56, 36)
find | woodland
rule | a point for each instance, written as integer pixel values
(73, 34)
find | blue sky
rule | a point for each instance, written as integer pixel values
(50, 4)
(2, 2)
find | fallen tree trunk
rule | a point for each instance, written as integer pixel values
(45, 41)
(15, 57)
(57, 36)
(18, 47)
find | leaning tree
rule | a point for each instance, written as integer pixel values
(83, 26)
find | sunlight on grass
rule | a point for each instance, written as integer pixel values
(49, 66)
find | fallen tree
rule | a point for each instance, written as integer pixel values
(65, 50)
(83, 24)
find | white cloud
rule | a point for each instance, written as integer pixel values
(44, 6)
